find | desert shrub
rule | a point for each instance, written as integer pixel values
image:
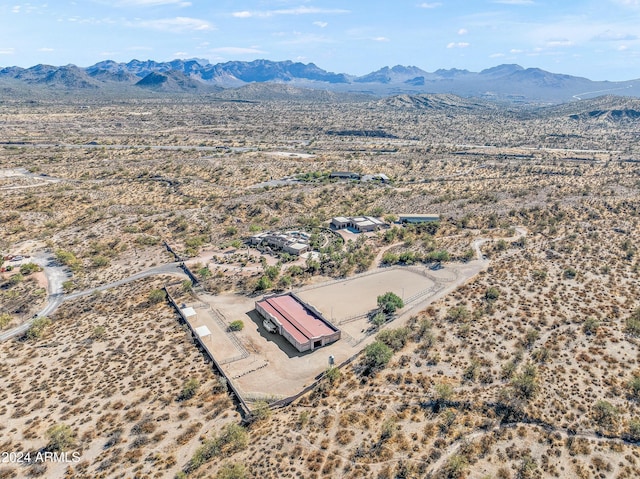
(633, 323)
(525, 384)
(264, 283)
(569, 273)
(187, 286)
(37, 328)
(443, 392)
(236, 325)
(68, 259)
(634, 430)
(492, 294)
(590, 325)
(232, 471)
(604, 413)
(261, 410)
(98, 332)
(394, 338)
(333, 375)
(100, 261)
(457, 314)
(189, 389)
(157, 296)
(232, 438)
(455, 467)
(28, 268)
(634, 387)
(5, 318)
(61, 437)
(205, 272)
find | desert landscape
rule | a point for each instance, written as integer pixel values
(520, 362)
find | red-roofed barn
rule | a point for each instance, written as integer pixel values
(300, 323)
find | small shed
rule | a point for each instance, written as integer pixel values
(203, 331)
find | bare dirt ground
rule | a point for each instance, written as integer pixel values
(529, 369)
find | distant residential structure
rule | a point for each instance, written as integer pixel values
(361, 224)
(381, 177)
(292, 242)
(344, 175)
(418, 218)
(300, 323)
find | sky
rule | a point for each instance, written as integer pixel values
(597, 39)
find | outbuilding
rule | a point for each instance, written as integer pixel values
(300, 323)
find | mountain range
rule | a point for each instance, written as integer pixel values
(511, 83)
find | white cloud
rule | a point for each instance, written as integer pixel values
(288, 11)
(320, 24)
(430, 5)
(463, 31)
(622, 48)
(514, 2)
(458, 45)
(16, 9)
(176, 25)
(237, 50)
(152, 3)
(560, 42)
(610, 36)
(380, 39)
(628, 3)
(7, 51)
(515, 51)
(497, 55)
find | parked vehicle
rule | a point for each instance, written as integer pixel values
(269, 326)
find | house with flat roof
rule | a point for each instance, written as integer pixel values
(361, 224)
(299, 322)
(292, 242)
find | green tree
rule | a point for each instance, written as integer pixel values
(187, 286)
(389, 302)
(379, 319)
(376, 356)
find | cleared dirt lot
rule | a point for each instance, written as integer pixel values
(344, 299)
(265, 366)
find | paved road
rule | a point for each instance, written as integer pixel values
(57, 274)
